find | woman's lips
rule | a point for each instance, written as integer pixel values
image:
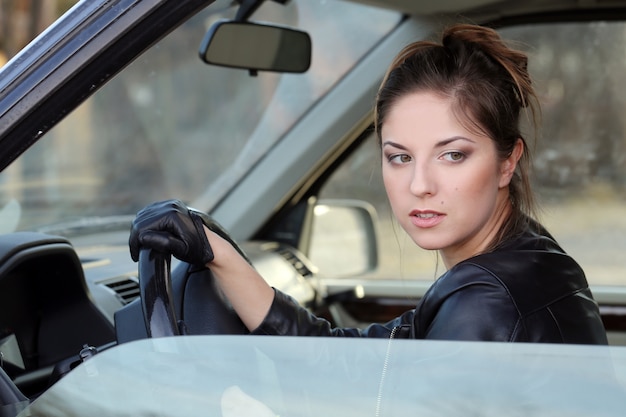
(426, 219)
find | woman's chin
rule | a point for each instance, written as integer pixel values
(427, 244)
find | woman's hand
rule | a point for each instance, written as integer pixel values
(171, 227)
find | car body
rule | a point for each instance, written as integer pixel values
(111, 108)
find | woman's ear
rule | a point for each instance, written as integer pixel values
(507, 169)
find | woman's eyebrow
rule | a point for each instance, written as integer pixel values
(439, 144)
(394, 144)
(448, 141)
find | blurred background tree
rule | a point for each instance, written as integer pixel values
(22, 20)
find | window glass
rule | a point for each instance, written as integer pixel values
(579, 155)
(171, 126)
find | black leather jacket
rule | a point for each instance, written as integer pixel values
(527, 290)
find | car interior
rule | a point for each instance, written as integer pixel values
(65, 296)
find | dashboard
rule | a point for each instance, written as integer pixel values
(59, 296)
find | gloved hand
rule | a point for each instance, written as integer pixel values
(173, 228)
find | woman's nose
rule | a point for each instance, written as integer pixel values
(422, 183)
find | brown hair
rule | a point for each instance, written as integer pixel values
(490, 85)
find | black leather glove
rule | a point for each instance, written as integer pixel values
(173, 228)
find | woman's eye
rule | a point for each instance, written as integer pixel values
(399, 158)
(454, 156)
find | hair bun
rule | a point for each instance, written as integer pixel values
(464, 40)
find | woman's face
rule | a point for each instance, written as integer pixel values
(446, 184)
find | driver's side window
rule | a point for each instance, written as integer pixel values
(579, 160)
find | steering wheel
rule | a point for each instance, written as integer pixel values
(155, 287)
(204, 308)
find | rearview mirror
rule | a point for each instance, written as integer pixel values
(256, 47)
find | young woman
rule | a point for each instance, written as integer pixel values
(455, 167)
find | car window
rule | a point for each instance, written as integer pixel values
(260, 376)
(579, 155)
(171, 126)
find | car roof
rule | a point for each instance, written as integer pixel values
(496, 7)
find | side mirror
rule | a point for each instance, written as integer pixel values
(343, 238)
(256, 47)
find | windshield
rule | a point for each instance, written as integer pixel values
(171, 126)
(259, 376)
